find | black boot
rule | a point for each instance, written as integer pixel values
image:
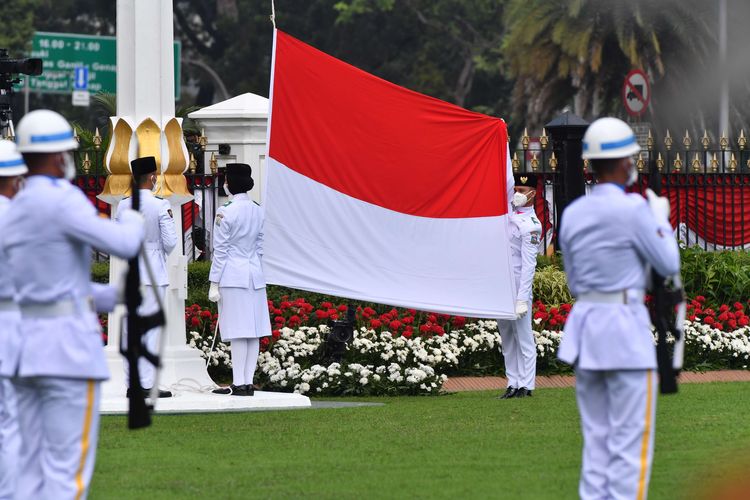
(523, 393)
(232, 389)
(510, 392)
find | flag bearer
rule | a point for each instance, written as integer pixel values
(237, 281)
(160, 239)
(609, 240)
(518, 345)
(59, 361)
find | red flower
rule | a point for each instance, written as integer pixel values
(723, 316)
(413, 312)
(395, 325)
(708, 320)
(276, 334)
(326, 305)
(334, 316)
(709, 311)
(700, 298)
(375, 323)
(566, 307)
(320, 314)
(552, 322)
(738, 306)
(732, 324)
(407, 334)
(743, 321)
(719, 326)
(205, 314)
(458, 321)
(554, 311)
(542, 307)
(367, 312)
(285, 304)
(307, 308)
(424, 328)
(723, 308)
(341, 308)
(432, 318)
(264, 342)
(195, 321)
(407, 320)
(279, 320)
(294, 320)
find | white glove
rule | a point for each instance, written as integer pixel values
(213, 292)
(659, 206)
(521, 309)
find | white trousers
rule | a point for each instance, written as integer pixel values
(10, 439)
(519, 350)
(149, 305)
(618, 411)
(59, 422)
(244, 360)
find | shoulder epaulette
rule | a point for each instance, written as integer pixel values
(227, 204)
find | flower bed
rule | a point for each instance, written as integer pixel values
(403, 351)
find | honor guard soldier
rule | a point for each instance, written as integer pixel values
(518, 345)
(609, 240)
(59, 362)
(12, 168)
(237, 281)
(159, 241)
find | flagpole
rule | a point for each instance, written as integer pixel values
(273, 14)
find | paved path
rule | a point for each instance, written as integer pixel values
(497, 383)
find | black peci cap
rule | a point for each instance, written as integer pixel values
(143, 166)
(524, 179)
(239, 170)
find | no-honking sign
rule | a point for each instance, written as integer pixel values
(636, 93)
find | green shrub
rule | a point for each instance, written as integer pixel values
(551, 286)
(721, 277)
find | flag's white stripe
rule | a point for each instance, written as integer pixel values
(321, 240)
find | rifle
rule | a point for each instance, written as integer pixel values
(668, 316)
(139, 413)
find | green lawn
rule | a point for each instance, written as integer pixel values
(467, 445)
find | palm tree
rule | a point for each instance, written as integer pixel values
(580, 50)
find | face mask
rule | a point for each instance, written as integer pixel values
(519, 200)
(226, 190)
(632, 176)
(20, 183)
(69, 167)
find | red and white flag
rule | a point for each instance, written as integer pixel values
(378, 193)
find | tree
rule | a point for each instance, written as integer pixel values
(580, 50)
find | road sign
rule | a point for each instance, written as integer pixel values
(62, 53)
(81, 78)
(81, 98)
(636, 93)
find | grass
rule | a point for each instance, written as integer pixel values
(466, 445)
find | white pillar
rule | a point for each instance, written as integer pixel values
(145, 125)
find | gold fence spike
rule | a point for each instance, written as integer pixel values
(213, 164)
(525, 139)
(650, 141)
(544, 139)
(724, 141)
(732, 163)
(668, 141)
(586, 165)
(686, 141)
(193, 164)
(86, 164)
(660, 162)
(741, 140)
(714, 163)
(696, 163)
(516, 163)
(203, 140)
(534, 161)
(97, 139)
(677, 164)
(640, 162)
(705, 140)
(553, 162)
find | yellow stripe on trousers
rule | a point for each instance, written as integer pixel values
(80, 487)
(646, 437)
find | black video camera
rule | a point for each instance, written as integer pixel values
(9, 70)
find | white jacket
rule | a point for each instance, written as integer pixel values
(525, 236)
(238, 245)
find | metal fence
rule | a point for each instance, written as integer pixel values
(708, 187)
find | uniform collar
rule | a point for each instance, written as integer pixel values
(240, 196)
(609, 188)
(524, 210)
(32, 180)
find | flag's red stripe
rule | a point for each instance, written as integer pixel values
(381, 143)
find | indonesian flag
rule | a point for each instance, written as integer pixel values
(381, 194)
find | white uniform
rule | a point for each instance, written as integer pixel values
(237, 268)
(159, 241)
(518, 345)
(608, 238)
(10, 317)
(47, 237)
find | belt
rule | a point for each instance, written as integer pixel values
(632, 296)
(8, 306)
(67, 307)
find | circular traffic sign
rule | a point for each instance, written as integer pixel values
(636, 93)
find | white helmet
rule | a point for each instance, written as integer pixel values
(609, 138)
(11, 161)
(44, 131)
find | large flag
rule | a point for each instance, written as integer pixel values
(378, 193)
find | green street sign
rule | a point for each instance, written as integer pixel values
(62, 53)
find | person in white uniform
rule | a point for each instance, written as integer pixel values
(610, 240)
(159, 241)
(59, 362)
(237, 281)
(518, 345)
(12, 169)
